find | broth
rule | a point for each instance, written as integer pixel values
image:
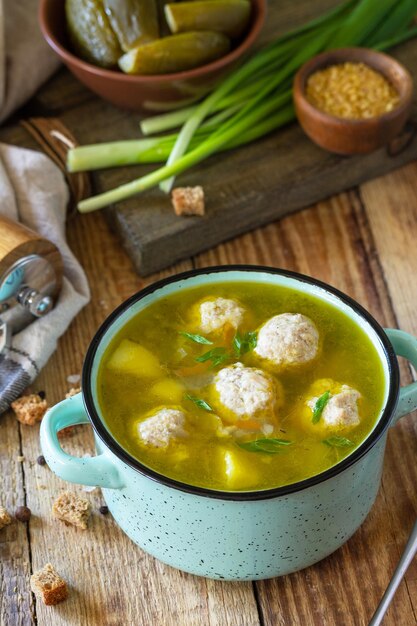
(167, 372)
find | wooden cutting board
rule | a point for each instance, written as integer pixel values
(246, 187)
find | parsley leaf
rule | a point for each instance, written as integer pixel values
(196, 338)
(267, 446)
(319, 406)
(244, 343)
(338, 442)
(202, 404)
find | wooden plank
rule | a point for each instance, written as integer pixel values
(332, 241)
(16, 602)
(391, 207)
(111, 581)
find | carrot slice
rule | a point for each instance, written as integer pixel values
(248, 424)
(228, 333)
(193, 370)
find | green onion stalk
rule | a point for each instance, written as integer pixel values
(250, 103)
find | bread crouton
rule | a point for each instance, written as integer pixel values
(72, 509)
(188, 200)
(48, 585)
(5, 518)
(72, 392)
(30, 409)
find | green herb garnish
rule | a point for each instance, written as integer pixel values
(196, 338)
(267, 446)
(338, 442)
(202, 404)
(244, 343)
(319, 406)
(216, 356)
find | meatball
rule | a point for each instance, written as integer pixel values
(160, 428)
(287, 339)
(245, 391)
(341, 410)
(214, 314)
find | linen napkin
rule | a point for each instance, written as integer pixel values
(33, 192)
(26, 60)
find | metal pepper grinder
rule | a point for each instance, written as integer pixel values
(30, 278)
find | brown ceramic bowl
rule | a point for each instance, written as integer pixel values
(158, 93)
(345, 136)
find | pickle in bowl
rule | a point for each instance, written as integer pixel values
(175, 53)
(230, 17)
(91, 33)
(135, 22)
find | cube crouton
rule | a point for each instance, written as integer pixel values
(48, 585)
(72, 392)
(188, 200)
(5, 518)
(30, 409)
(72, 509)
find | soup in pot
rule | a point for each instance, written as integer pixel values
(240, 386)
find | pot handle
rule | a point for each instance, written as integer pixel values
(96, 471)
(404, 345)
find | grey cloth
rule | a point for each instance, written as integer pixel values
(26, 60)
(33, 192)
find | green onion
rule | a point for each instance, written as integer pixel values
(244, 343)
(206, 148)
(174, 119)
(267, 446)
(319, 406)
(397, 21)
(202, 404)
(196, 338)
(338, 442)
(217, 356)
(361, 22)
(397, 39)
(135, 151)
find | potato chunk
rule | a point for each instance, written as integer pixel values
(239, 473)
(132, 358)
(168, 390)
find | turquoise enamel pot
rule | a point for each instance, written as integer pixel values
(232, 535)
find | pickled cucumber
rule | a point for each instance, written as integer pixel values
(175, 53)
(135, 22)
(90, 32)
(163, 26)
(230, 17)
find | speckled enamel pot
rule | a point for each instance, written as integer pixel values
(232, 535)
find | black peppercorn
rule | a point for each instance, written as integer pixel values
(23, 514)
(41, 460)
(104, 509)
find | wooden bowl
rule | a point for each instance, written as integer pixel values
(159, 93)
(346, 136)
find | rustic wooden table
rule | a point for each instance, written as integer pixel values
(362, 242)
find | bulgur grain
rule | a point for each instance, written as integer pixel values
(351, 91)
